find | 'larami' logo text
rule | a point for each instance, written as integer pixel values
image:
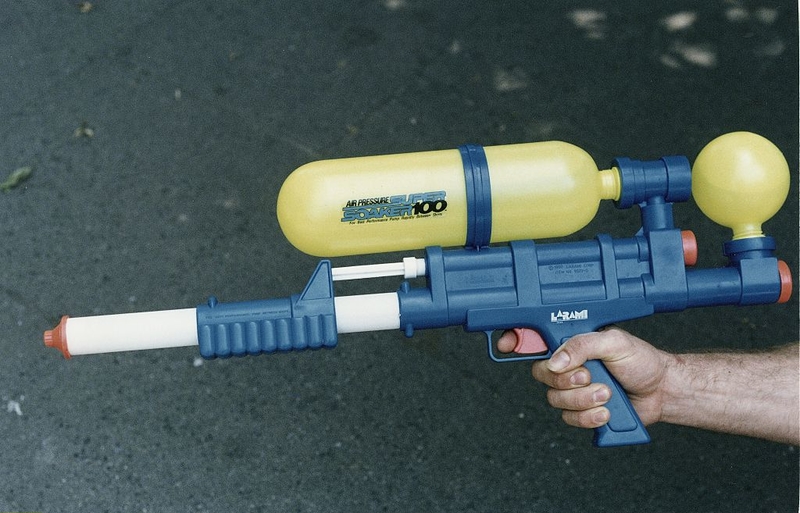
(574, 315)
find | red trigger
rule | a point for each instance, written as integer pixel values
(529, 342)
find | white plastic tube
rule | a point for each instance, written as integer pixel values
(368, 312)
(132, 331)
(410, 267)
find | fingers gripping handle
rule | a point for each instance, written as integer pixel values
(624, 426)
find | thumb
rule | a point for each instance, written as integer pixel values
(609, 346)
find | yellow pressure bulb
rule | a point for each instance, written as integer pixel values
(740, 180)
(409, 201)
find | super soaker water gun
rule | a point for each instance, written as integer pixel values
(475, 197)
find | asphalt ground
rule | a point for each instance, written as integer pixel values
(158, 135)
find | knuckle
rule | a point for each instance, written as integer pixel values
(578, 399)
(566, 399)
(541, 373)
(592, 418)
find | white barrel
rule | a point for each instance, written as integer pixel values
(368, 312)
(132, 331)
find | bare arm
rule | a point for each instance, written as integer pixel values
(755, 394)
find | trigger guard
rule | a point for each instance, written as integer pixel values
(507, 359)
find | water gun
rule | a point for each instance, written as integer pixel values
(480, 198)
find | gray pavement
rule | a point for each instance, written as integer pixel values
(159, 134)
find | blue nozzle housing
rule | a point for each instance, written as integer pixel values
(301, 321)
(669, 178)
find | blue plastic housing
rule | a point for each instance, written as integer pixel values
(302, 321)
(479, 195)
(557, 289)
(562, 289)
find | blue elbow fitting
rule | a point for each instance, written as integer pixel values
(758, 267)
(668, 177)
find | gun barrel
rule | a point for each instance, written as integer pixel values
(124, 332)
(178, 328)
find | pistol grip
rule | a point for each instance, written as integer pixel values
(624, 426)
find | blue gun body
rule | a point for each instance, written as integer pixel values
(558, 289)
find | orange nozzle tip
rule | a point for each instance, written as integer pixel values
(57, 337)
(786, 281)
(689, 247)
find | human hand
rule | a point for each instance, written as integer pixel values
(639, 367)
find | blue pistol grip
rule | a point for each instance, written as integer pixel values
(301, 321)
(624, 426)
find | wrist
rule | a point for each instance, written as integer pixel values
(678, 391)
(728, 392)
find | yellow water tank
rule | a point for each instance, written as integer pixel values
(470, 196)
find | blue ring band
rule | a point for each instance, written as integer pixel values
(479, 195)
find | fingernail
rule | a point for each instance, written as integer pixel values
(601, 417)
(558, 362)
(579, 378)
(601, 395)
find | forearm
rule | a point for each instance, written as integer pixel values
(754, 394)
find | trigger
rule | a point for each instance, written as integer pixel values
(529, 342)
